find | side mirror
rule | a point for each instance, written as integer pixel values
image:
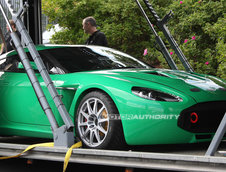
(33, 65)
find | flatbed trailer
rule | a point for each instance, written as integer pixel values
(184, 157)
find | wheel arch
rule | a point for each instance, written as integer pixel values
(85, 92)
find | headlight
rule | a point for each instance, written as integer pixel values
(150, 94)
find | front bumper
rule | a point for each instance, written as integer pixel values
(202, 117)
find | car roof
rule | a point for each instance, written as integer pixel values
(51, 46)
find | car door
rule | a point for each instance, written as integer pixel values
(19, 103)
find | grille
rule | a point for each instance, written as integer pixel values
(202, 117)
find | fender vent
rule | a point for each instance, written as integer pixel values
(157, 73)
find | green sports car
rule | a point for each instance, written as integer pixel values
(112, 98)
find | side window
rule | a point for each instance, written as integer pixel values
(2, 62)
(13, 64)
(9, 63)
(53, 66)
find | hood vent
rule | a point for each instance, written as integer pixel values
(157, 73)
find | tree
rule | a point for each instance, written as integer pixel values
(198, 27)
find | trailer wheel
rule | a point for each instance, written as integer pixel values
(97, 122)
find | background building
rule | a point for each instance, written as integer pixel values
(16, 5)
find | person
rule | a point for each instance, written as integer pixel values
(8, 39)
(96, 37)
(10, 63)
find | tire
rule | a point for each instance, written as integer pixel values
(97, 123)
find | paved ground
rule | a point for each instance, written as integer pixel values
(20, 165)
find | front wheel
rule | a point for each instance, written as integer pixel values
(97, 122)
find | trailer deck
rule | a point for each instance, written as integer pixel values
(183, 157)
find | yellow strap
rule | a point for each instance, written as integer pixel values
(50, 144)
(68, 154)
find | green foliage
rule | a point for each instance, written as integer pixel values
(201, 23)
(204, 21)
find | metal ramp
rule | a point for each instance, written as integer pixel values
(63, 135)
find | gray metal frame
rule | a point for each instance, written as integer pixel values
(64, 135)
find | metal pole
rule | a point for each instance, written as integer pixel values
(44, 73)
(217, 138)
(31, 74)
(146, 17)
(64, 135)
(164, 50)
(169, 37)
(176, 48)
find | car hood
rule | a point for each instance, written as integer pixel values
(200, 87)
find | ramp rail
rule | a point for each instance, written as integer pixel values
(64, 135)
(127, 159)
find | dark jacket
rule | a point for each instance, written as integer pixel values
(97, 38)
(9, 42)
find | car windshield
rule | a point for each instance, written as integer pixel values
(77, 59)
